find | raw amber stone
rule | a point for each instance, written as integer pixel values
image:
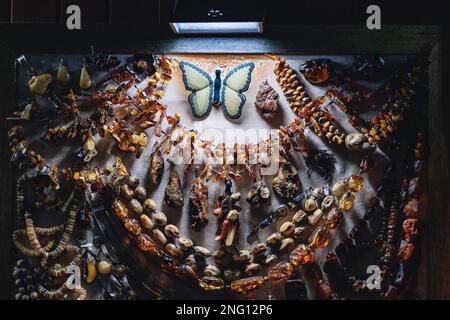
(410, 227)
(355, 183)
(302, 254)
(246, 284)
(132, 226)
(211, 283)
(120, 210)
(334, 218)
(146, 244)
(412, 208)
(320, 238)
(280, 272)
(346, 202)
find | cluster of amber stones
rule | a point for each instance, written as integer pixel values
(413, 210)
(320, 121)
(290, 85)
(385, 122)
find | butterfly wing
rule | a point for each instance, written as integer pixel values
(200, 83)
(234, 84)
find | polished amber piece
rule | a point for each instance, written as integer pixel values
(247, 284)
(355, 183)
(211, 283)
(320, 238)
(120, 210)
(302, 254)
(334, 218)
(281, 272)
(346, 202)
(146, 244)
(132, 226)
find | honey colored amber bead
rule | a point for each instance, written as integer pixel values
(346, 202)
(146, 244)
(120, 210)
(280, 272)
(247, 284)
(320, 238)
(211, 283)
(355, 183)
(334, 218)
(302, 254)
(132, 226)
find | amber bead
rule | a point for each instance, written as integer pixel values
(410, 227)
(412, 208)
(132, 226)
(280, 272)
(320, 238)
(211, 283)
(346, 201)
(146, 244)
(334, 218)
(120, 210)
(355, 183)
(247, 284)
(406, 250)
(302, 254)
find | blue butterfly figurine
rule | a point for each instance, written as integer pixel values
(226, 92)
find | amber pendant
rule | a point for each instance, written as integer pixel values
(174, 192)
(156, 167)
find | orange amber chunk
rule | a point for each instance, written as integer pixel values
(132, 226)
(146, 244)
(247, 284)
(120, 210)
(346, 202)
(302, 254)
(320, 238)
(334, 218)
(280, 272)
(355, 183)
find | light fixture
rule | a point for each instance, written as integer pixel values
(221, 17)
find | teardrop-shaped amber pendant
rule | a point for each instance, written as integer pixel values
(62, 75)
(346, 202)
(85, 79)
